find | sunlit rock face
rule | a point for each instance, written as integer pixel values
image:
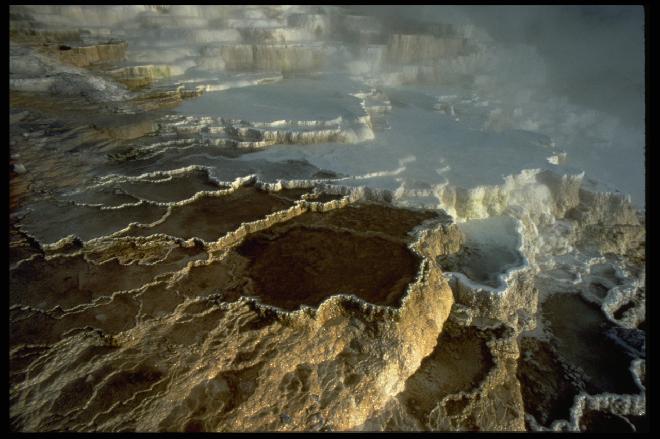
(317, 218)
(240, 305)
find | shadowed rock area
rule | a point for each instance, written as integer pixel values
(300, 267)
(67, 281)
(175, 189)
(359, 250)
(211, 217)
(598, 422)
(459, 362)
(371, 217)
(584, 343)
(548, 391)
(585, 354)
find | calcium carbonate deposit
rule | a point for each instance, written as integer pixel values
(325, 218)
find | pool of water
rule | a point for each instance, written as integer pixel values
(298, 98)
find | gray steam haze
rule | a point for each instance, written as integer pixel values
(572, 73)
(591, 55)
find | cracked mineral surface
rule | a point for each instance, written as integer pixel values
(324, 218)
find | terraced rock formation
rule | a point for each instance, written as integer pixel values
(309, 218)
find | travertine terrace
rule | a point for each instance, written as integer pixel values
(310, 218)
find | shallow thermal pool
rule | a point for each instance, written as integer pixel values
(297, 98)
